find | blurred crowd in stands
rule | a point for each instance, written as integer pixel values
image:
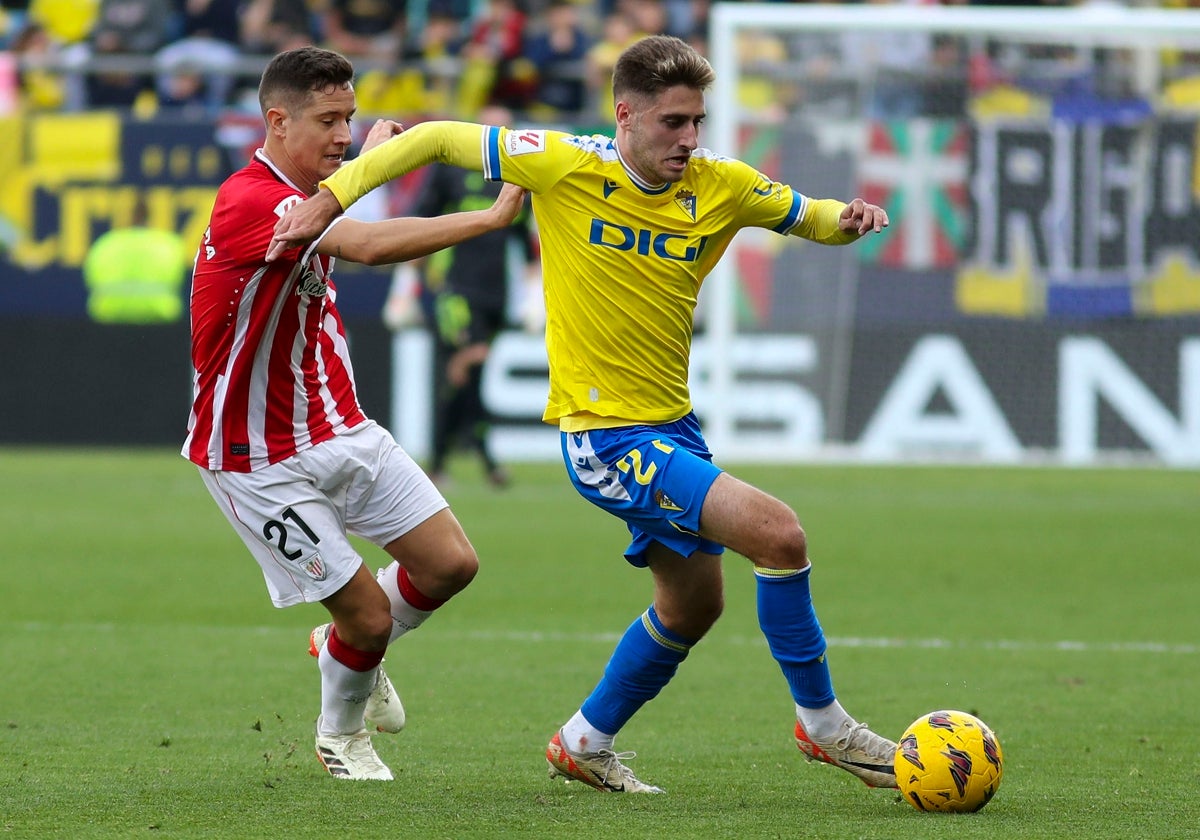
(546, 60)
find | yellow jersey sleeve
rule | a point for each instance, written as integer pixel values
(456, 143)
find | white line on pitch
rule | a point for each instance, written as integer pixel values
(737, 640)
(1065, 646)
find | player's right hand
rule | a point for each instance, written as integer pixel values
(303, 222)
(381, 132)
(862, 218)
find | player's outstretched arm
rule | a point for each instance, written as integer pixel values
(455, 143)
(397, 240)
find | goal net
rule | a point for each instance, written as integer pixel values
(1037, 294)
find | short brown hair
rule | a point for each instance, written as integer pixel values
(658, 62)
(292, 77)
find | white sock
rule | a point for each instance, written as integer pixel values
(405, 616)
(344, 693)
(579, 736)
(825, 723)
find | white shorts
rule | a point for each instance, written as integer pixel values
(295, 515)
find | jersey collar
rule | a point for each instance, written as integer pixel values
(261, 156)
(638, 181)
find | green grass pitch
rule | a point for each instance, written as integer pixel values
(150, 690)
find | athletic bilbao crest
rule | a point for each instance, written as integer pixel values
(314, 567)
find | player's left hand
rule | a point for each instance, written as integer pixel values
(863, 218)
(381, 131)
(509, 203)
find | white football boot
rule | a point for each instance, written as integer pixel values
(351, 756)
(602, 770)
(856, 750)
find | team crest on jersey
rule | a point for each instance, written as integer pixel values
(524, 142)
(687, 200)
(314, 567)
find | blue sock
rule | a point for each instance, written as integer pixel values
(644, 661)
(788, 620)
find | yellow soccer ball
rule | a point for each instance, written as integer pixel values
(948, 761)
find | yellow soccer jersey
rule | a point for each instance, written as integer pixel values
(622, 260)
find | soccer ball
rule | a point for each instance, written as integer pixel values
(948, 761)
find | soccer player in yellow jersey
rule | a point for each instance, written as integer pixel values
(630, 226)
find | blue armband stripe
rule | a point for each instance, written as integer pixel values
(491, 153)
(793, 214)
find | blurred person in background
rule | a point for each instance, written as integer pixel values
(428, 77)
(495, 67)
(132, 29)
(618, 33)
(557, 45)
(135, 274)
(372, 33)
(369, 31)
(470, 286)
(66, 28)
(39, 89)
(274, 26)
(198, 70)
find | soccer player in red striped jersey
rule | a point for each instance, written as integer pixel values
(276, 429)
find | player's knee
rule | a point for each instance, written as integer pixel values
(366, 628)
(458, 569)
(376, 629)
(788, 548)
(797, 544)
(693, 617)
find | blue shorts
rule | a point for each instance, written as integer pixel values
(654, 478)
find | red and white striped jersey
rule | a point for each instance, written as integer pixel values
(271, 372)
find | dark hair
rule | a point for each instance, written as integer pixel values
(292, 76)
(658, 62)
